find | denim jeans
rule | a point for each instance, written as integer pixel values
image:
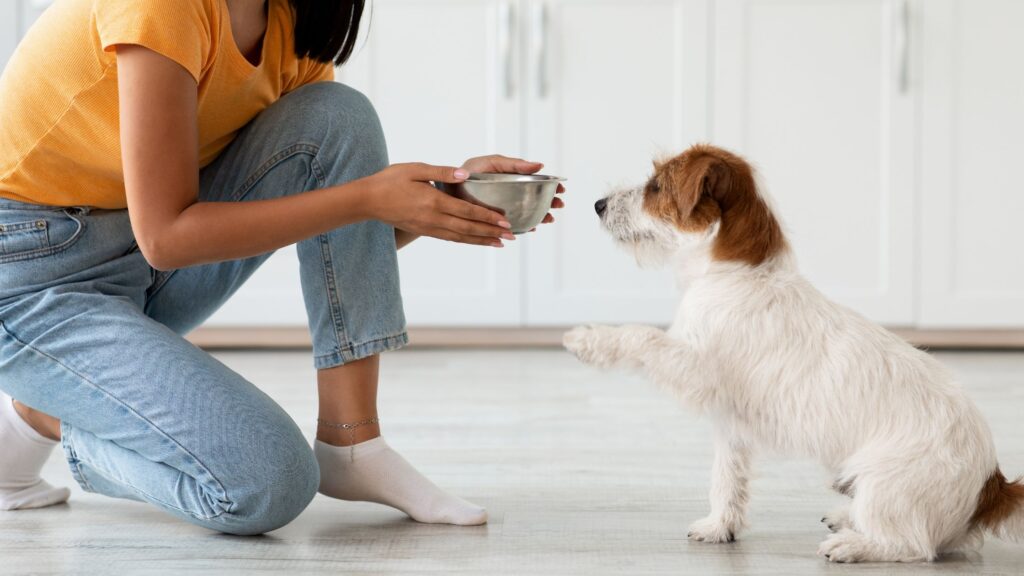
(91, 334)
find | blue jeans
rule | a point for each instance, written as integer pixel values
(91, 334)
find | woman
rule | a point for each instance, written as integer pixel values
(152, 155)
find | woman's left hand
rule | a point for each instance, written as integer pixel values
(504, 164)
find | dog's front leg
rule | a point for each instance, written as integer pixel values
(729, 495)
(613, 346)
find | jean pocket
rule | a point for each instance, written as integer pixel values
(28, 234)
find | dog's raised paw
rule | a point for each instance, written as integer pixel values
(711, 530)
(586, 343)
(574, 340)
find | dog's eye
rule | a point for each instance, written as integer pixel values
(653, 186)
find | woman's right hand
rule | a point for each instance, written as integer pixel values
(402, 196)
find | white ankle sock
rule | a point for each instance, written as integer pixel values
(23, 451)
(372, 472)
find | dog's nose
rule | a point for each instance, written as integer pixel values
(600, 206)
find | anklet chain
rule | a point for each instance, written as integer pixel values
(349, 427)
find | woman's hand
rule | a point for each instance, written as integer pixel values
(504, 164)
(402, 196)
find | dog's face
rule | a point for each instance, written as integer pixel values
(705, 197)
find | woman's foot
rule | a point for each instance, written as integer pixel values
(23, 453)
(372, 472)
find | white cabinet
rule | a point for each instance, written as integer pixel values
(972, 272)
(610, 84)
(819, 96)
(443, 75)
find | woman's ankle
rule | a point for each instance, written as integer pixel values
(332, 433)
(46, 425)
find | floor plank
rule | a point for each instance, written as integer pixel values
(583, 473)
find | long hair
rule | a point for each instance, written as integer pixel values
(326, 30)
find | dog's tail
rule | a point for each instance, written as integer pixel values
(1001, 507)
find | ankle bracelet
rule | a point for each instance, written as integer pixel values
(349, 427)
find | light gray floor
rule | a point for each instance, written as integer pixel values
(583, 473)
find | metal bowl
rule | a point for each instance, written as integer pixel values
(524, 199)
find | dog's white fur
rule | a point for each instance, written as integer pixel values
(780, 367)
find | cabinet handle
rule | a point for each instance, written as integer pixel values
(540, 46)
(506, 33)
(903, 47)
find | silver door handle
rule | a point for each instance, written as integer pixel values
(903, 47)
(506, 36)
(540, 47)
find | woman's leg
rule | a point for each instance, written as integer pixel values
(318, 136)
(145, 415)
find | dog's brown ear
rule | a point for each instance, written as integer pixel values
(748, 232)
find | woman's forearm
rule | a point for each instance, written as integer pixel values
(208, 232)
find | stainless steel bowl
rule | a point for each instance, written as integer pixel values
(523, 199)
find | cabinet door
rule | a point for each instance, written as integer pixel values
(611, 84)
(972, 192)
(819, 96)
(442, 76)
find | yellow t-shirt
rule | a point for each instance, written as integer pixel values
(59, 140)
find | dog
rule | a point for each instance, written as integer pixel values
(779, 367)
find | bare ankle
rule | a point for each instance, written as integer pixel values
(44, 424)
(338, 436)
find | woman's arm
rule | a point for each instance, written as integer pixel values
(160, 156)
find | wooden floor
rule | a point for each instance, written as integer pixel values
(583, 473)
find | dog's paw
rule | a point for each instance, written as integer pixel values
(837, 519)
(711, 530)
(845, 546)
(592, 344)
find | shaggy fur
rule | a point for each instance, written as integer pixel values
(779, 367)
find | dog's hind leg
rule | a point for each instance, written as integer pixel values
(729, 495)
(895, 518)
(839, 517)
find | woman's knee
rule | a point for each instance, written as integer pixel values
(341, 118)
(274, 495)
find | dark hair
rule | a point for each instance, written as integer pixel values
(326, 30)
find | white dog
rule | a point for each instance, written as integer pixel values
(780, 367)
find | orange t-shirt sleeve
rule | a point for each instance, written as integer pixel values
(177, 29)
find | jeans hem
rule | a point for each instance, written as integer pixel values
(72, 458)
(353, 352)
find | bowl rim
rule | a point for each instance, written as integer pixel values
(529, 178)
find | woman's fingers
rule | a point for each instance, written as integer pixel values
(473, 228)
(467, 211)
(446, 234)
(504, 164)
(557, 203)
(429, 173)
